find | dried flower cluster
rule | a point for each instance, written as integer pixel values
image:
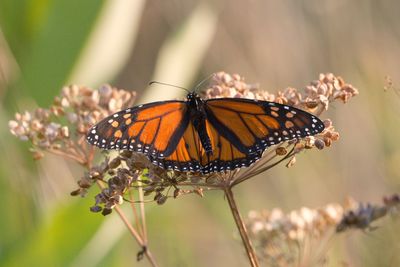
(360, 215)
(283, 239)
(82, 107)
(299, 238)
(73, 112)
(61, 130)
(391, 86)
(130, 170)
(318, 94)
(314, 98)
(163, 184)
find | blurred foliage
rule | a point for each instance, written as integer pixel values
(46, 38)
(275, 43)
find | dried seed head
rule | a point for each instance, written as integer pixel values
(162, 199)
(114, 163)
(309, 142)
(96, 209)
(320, 144)
(84, 183)
(285, 236)
(312, 104)
(392, 201)
(76, 192)
(281, 151)
(281, 236)
(106, 211)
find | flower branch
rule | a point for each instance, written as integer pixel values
(118, 174)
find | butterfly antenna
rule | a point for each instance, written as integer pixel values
(203, 81)
(167, 84)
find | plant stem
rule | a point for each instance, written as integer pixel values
(135, 214)
(133, 231)
(66, 155)
(142, 213)
(257, 170)
(135, 234)
(241, 227)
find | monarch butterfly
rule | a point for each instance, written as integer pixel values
(203, 136)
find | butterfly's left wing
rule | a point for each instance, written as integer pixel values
(252, 126)
(153, 129)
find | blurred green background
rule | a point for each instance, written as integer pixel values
(46, 44)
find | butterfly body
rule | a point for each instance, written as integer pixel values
(203, 135)
(198, 117)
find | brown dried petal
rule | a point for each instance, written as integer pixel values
(84, 183)
(114, 163)
(281, 151)
(162, 199)
(320, 144)
(199, 191)
(76, 192)
(177, 192)
(327, 141)
(106, 211)
(291, 162)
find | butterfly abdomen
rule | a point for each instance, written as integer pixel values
(204, 138)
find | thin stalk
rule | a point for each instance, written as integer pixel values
(133, 232)
(142, 212)
(66, 155)
(258, 171)
(131, 229)
(125, 220)
(241, 227)
(135, 214)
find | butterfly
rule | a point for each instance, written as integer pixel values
(205, 136)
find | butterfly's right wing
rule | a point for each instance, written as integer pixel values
(252, 125)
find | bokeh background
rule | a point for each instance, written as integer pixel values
(46, 44)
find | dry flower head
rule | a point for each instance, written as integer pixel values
(81, 107)
(301, 237)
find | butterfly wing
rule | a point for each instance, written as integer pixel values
(154, 129)
(191, 156)
(239, 131)
(186, 156)
(250, 126)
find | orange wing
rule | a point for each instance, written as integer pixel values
(252, 126)
(191, 156)
(153, 129)
(187, 154)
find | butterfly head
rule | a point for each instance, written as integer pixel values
(192, 95)
(195, 101)
(193, 98)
